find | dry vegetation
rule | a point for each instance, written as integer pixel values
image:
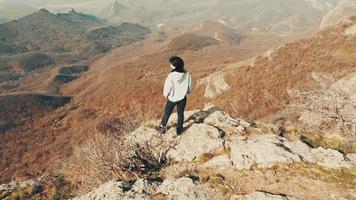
(106, 155)
(262, 89)
(46, 187)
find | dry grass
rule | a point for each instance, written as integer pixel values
(158, 196)
(94, 162)
(261, 90)
(107, 155)
(48, 187)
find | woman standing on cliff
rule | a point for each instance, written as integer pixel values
(176, 87)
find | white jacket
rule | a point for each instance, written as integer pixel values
(177, 86)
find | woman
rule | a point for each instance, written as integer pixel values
(176, 87)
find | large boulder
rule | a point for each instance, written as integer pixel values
(261, 150)
(199, 139)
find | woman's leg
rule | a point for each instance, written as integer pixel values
(180, 110)
(167, 113)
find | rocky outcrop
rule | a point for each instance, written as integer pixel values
(216, 141)
(215, 85)
(205, 132)
(212, 130)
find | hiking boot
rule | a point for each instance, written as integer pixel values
(180, 131)
(162, 129)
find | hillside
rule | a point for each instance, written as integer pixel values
(329, 53)
(309, 83)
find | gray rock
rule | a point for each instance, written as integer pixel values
(221, 161)
(111, 190)
(261, 150)
(119, 190)
(223, 121)
(199, 139)
(184, 188)
(267, 150)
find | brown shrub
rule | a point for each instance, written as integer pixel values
(106, 157)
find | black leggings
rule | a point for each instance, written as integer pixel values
(180, 110)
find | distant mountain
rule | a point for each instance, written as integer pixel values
(258, 15)
(112, 10)
(64, 32)
(263, 15)
(44, 31)
(43, 40)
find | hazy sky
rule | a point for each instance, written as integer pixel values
(58, 3)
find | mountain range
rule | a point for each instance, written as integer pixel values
(52, 32)
(44, 39)
(271, 15)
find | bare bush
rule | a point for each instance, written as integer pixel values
(143, 161)
(92, 162)
(106, 157)
(106, 154)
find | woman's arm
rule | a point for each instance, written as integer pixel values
(190, 84)
(167, 87)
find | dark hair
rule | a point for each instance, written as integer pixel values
(178, 63)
